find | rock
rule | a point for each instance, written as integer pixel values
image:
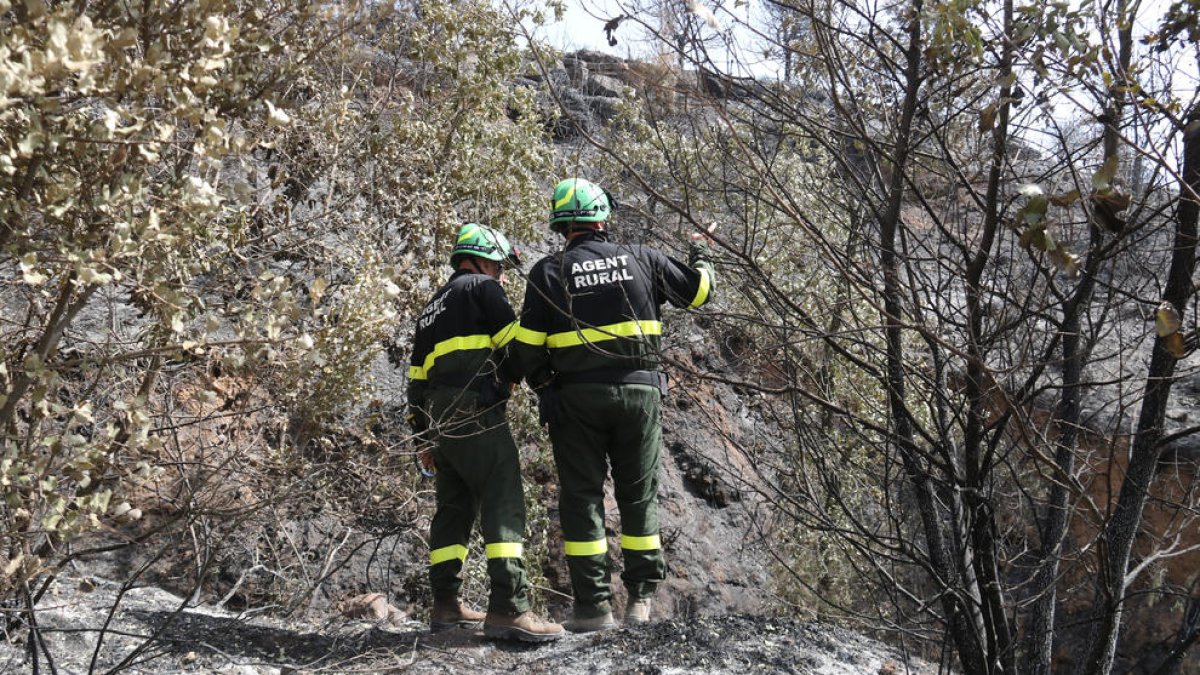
(701, 478)
(595, 57)
(582, 112)
(605, 86)
(369, 606)
(577, 71)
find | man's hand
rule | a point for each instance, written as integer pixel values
(703, 237)
(424, 462)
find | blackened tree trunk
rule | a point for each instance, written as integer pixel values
(961, 605)
(1118, 537)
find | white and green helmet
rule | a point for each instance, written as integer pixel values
(484, 242)
(577, 200)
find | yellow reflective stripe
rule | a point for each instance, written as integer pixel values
(467, 235)
(505, 335)
(585, 547)
(702, 292)
(566, 198)
(455, 344)
(417, 373)
(504, 549)
(530, 337)
(441, 555)
(602, 333)
(649, 542)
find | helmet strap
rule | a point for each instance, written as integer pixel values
(577, 229)
(478, 268)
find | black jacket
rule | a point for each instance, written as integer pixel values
(597, 305)
(458, 334)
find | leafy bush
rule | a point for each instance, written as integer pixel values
(216, 209)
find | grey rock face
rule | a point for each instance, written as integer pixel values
(604, 86)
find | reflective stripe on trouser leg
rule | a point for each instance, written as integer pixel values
(482, 457)
(447, 553)
(505, 549)
(649, 542)
(583, 548)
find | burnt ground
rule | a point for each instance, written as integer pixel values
(148, 632)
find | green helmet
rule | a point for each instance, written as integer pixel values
(484, 242)
(577, 200)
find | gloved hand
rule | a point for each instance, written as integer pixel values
(703, 239)
(700, 248)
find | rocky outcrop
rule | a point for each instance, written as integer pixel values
(582, 92)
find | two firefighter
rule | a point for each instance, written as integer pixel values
(588, 343)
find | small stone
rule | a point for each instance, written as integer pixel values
(369, 606)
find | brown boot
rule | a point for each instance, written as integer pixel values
(638, 612)
(524, 627)
(591, 624)
(451, 614)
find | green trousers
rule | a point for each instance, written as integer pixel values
(478, 473)
(597, 426)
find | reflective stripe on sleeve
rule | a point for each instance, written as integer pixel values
(702, 292)
(505, 335)
(585, 547)
(505, 549)
(445, 553)
(649, 542)
(417, 373)
(602, 333)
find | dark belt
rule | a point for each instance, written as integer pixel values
(490, 391)
(458, 380)
(653, 378)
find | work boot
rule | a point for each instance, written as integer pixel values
(576, 624)
(524, 627)
(638, 612)
(451, 614)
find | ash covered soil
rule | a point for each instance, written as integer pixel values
(151, 631)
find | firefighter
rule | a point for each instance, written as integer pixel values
(457, 393)
(588, 343)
